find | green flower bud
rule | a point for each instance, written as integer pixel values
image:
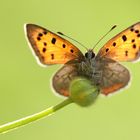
(83, 92)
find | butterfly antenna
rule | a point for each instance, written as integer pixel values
(105, 35)
(72, 39)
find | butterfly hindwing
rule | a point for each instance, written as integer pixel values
(63, 77)
(123, 47)
(113, 76)
(49, 47)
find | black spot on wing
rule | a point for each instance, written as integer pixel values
(126, 53)
(52, 56)
(53, 40)
(114, 44)
(44, 50)
(133, 40)
(131, 29)
(45, 44)
(40, 34)
(136, 31)
(138, 35)
(124, 38)
(107, 50)
(38, 38)
(45, 32)
(134, 46)
(71, 50)
(64, 46)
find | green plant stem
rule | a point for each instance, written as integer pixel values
(26, 120)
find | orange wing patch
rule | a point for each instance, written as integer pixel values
(108, 90)
(123, 47)
(49, 47)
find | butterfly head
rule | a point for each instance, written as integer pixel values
(89, 54)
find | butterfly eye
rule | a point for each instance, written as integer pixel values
(86, 55)
(89, 54)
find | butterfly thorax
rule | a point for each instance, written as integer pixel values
(89, 68)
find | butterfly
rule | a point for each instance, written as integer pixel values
(102, 69)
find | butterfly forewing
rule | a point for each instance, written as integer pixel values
(49, 47)
(123, 47)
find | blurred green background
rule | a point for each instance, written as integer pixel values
(25, 87)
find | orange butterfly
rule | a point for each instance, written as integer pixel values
(102, 69)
